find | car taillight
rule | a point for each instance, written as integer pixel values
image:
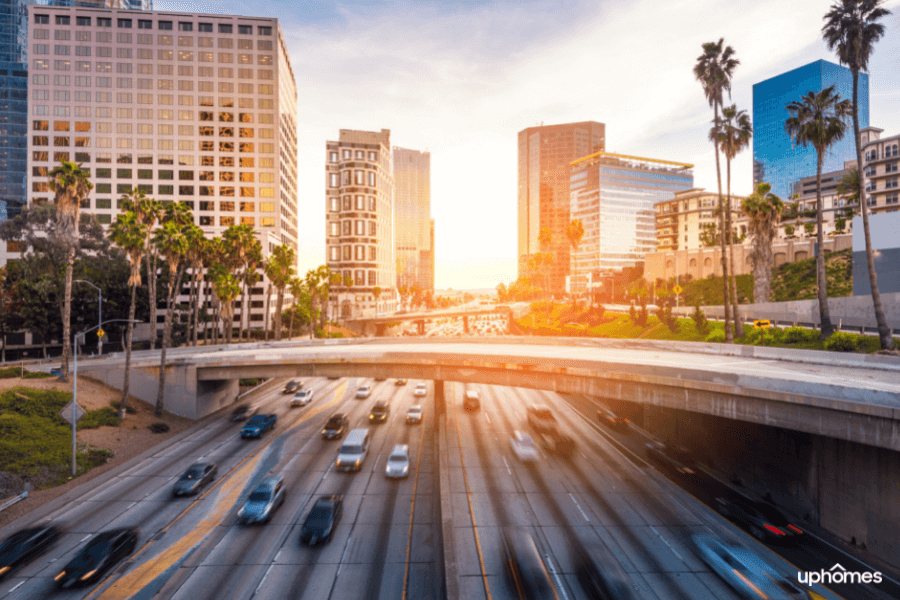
(795, 529)
(774, 529)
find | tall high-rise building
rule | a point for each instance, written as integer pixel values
(120, 4)
(615, 197)
(545, 152)
(413, 227)
(359, 214)
(776, 159)
(199, 109)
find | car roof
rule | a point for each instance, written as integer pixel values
(521, 435)
(258, 418)
(415, 407)
(328, 500)
(336, 416)
(381, 403)
(270, 482)
(400, 449)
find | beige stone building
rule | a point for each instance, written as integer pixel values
(680, 221)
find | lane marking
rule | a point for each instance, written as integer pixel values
(507, 464)
(556, 577)
(262, 581)
(344, 555)
(85, 537)
(488, 417)
(653, 529)
(586, 518)
(412, 511)
(17, 586)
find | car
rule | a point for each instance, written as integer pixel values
(243, 412)
(24, 546)
(398, 462)
(380, 412)
(674, 459)
(472, 401)
(414, 414)
(421, 389)
(611, 420)
(96, 557)
(262, 501)
(600, 579)
(363, 392)
(257, 425)
(380, 378)
(399, 382)
(745, 571)
(353, 451)
(557, 444)
(541, 419)
(523, 447)
(761, 519)
(322, 520)
(292, 386)
(302, 398)
(526, 568)
(194, 479)
(335, 426)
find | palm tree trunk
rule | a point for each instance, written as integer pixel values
(199, 277)
(151, 285)
(268, 302)
(167, 335)
(822, 281)
(884, 331)
(293, 312)
(244, 312)
(279, 306)
(190, 311)
(128, 337)
(67, 313)
(738, 325)
(729, 333)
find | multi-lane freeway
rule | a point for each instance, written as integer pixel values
(393, 540)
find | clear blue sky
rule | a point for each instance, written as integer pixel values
(460, 79)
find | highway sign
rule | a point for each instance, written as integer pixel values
(677, 289)
(762, 324)
(100, 333)
(66, 413)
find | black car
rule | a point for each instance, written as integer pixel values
(525, 568)
(196, 477)
(600, 580)
(335, 427)
(611, 420)
(541, 419)
(255, 427)
(97, 556)
(322, 520)
(243, 412)
(761, 519)
(292, 386)
(676, 460)
(24, 546)
(380, 412)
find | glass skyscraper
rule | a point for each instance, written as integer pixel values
(776, 160)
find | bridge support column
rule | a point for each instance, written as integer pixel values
(421, 327)
(466, 323)
(440, 403)
(380, 328)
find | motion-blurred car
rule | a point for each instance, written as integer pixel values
(194, 479)
(611, 420)
(472, 401)
(761, 519)
(255, 427)
(302, 398)
(322, 519)
(24, 546)
(398, 462)
(363, 392)
(380, 412)
(523, 447)
(746, 572)
(399, 382)
(541, 419)
(414, 414)
(604, 581)
(335, 426)
(291, 386)
(674, 459)
(263, 501)
(97, 556)
(421, 390)
(243, 412)
(525, 567)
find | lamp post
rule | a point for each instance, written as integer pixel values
(99, 311)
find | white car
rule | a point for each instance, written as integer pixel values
(523, 447)
(414, 414)
(746, 572)
(398, 462)
(302, 398)
(363, 392)
(421, 389)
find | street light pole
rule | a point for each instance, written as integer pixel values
(99, 311)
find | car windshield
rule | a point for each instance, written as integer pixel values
(319, 514)
(770, 513)
(415, 410)
(398, 458)
(193, 473)
(91, 553)
(542, 413)
(256, 421)
(262, 495)
(333, 424)
(14, 540)
(526, 441)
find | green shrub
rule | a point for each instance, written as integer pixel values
(841, 342)
(249, 382)
(10, 372)
(158, 427)
(128, 409)
(98, 418)
(36, 375)
(795, 335)
(716, 337)
(700, 320)
(337, 334)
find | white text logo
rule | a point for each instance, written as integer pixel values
(837, 574)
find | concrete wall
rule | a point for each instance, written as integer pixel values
(884, 229)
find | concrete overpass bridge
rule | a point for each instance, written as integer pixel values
(377, 326)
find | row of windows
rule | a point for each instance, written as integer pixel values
(64, 141)
(161, 129)
(334, 203)
(169, 190)
(358, 178)
(144, 54)
(889, 151)
(355, 252)
(226, 28)
(348, 227)
(121, 98)
(203, 205)
(127, 98)
(359, 276)
(43, 64)
(167, 175)
(333, 155)
(147, 159)
(184, 41)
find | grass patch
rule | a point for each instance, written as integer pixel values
(36, 375)
(128, 409)
(797, 280)
(249, 382)
(10, 372)
(107, 415)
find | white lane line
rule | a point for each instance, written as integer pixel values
(14, 588)
(277, 556)
(344, 555)
(85, 537)
(507, 465)
(132, 505)
(579, 507)
(559, 584)
(488, 417)
(666, 543)
(263, 580)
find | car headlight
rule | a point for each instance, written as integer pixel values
(4, 570)
(357, 462)
(88, 575)
(339, 463)
(371, 416)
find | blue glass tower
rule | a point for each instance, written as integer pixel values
(776, 160)
(13, 104)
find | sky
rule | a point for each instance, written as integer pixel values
(460, 79)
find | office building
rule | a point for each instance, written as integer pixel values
(682, 221)
(413, 226)
(615, 196)
(881, 169)
(545, 152)
(359, 209)
(776, 159)
(119, 4)
(185, 107)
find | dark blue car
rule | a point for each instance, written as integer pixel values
(257, 424)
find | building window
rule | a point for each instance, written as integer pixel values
(42, 19)
(62, 20)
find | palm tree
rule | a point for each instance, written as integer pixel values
(247, 253)
(196, 243)
(227, 288)
(714, 70)
(297, 288)
(376, 293)
(71, 185)
(280, 271)
(130, 235)
(574, 232)
(147, 210)
(818, 119)
(848, 186)
(734, 133)
(852, 28)
(763, 210)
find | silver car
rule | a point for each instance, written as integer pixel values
(745, 571)
(414, 414)
(263, 501)
(398, 462)
(302, 398)
(363, 392)
(523, 447)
